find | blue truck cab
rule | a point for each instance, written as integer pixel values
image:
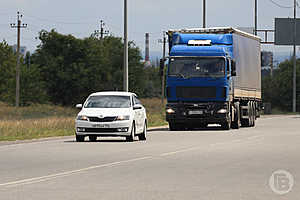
(200, 80)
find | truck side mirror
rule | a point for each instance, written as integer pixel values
(233, 68)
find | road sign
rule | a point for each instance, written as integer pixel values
(284, 31)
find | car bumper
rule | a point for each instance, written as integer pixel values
(117, 128)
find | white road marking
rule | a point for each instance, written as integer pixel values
(7, 146)
(179, 151)
(67, 173)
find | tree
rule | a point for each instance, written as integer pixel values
(32, 87)
(73, 68)
(279, 89)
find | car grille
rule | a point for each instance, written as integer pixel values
(196, 92)
(105, 119)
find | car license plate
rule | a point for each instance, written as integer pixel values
(195, 112)
(100, 126)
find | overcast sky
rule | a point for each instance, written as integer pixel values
(81, 18)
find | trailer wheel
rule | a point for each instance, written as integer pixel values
(247, 122)
(253, 114)
(237, 117)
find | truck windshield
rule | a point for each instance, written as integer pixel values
(197, 67)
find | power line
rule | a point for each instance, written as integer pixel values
(279, 5)
(57, 22)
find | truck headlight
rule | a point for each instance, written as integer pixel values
(222, 111)
(123, 117)
(82, 117)
(170, 111)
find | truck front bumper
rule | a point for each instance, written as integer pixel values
(198, 113)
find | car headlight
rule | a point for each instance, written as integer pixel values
(222, 111)
(170, 111)
(123, 117)
(82, 117)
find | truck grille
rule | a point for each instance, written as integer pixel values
(196, 92)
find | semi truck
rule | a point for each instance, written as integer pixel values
(213, 77)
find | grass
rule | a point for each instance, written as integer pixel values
(39, 121)
(276, 111)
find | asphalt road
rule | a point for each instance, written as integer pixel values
(200, 164)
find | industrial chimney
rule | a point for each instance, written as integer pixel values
(147, 53)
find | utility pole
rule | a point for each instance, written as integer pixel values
(255, 18)
(102, 32)
(18, 26)
(204, 13)
(294, 57)
(125, 80)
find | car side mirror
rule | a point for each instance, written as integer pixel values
(137, 107)
(233, 68)
(79, 106)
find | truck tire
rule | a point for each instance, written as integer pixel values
(247, 122)
(253, 115)
(172, 126)
(175, 127)
(237, 117)
(225, 125)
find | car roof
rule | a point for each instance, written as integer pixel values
(116, 93)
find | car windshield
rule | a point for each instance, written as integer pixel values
(197, 67)
(108, 101)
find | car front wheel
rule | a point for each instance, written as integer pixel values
(132, 135)
(143, 136)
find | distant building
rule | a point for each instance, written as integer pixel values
(266, 59)
(267, 63)
(22, 49)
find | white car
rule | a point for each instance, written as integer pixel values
(111, 114)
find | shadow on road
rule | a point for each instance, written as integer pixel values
(158, 129)
(209, 128)
(102, 140)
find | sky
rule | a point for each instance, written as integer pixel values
(82, 18)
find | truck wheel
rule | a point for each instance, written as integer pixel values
(237, 117)
(225, 125)
(175, 127)
(247, 122)
(253, 115)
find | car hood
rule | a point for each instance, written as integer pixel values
(105, 112)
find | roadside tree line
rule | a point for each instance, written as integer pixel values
(64, 70)
(278, 90)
